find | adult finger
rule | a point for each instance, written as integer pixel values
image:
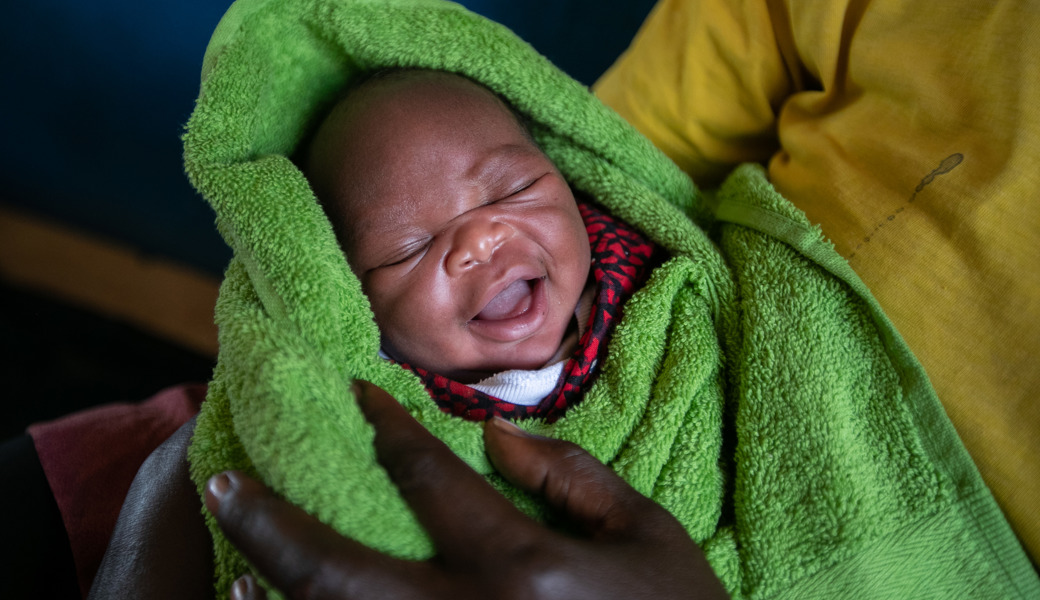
(302, 556)
(598, 500)
(246, 588)
(431, 478)
(571, 480)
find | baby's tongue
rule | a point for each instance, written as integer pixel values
(510, 302)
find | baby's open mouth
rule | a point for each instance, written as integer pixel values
(511, 302)
(515, 313)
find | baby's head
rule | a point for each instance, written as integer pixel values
(467, 240)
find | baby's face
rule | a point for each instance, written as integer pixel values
(466, 239)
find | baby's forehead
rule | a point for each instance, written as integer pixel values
(399, 94)
(387, 105)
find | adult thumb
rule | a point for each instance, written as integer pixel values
(570, 479)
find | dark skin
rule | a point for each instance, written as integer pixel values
(160, 547)
(624, 545)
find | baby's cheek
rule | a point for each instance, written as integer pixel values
(414, 334)
(392, 327)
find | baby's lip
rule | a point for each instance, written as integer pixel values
(524, 319)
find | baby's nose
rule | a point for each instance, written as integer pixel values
(474, 243)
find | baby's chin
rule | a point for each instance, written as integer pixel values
(510, 363)
(489, 362)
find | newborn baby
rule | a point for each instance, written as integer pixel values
(466, 238)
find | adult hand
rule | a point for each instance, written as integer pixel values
(624, 545)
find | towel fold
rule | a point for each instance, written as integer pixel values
(753, 387)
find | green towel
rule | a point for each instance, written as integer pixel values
(753, 387)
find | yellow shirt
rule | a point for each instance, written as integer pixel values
(911, 132)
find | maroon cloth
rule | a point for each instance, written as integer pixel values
(90, 458)
(622, 260)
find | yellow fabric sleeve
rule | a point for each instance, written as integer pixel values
(911, 132)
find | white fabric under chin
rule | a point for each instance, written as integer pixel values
(526, 388)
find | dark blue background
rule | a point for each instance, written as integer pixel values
(96, 93)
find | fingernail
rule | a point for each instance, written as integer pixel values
(243, 588)
(508, 427)
(216, 489)
(219, 485)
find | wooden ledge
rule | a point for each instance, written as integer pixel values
(163, 298)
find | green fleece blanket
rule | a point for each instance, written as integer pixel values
(753, 387)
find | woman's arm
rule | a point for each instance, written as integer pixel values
(160, 547)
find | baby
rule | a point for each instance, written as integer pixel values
(466, 238)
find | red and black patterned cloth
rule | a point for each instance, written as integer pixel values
(622, 259)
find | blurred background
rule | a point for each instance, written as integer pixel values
(109, 262)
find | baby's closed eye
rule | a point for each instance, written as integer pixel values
(409, 252)
(515, 190)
